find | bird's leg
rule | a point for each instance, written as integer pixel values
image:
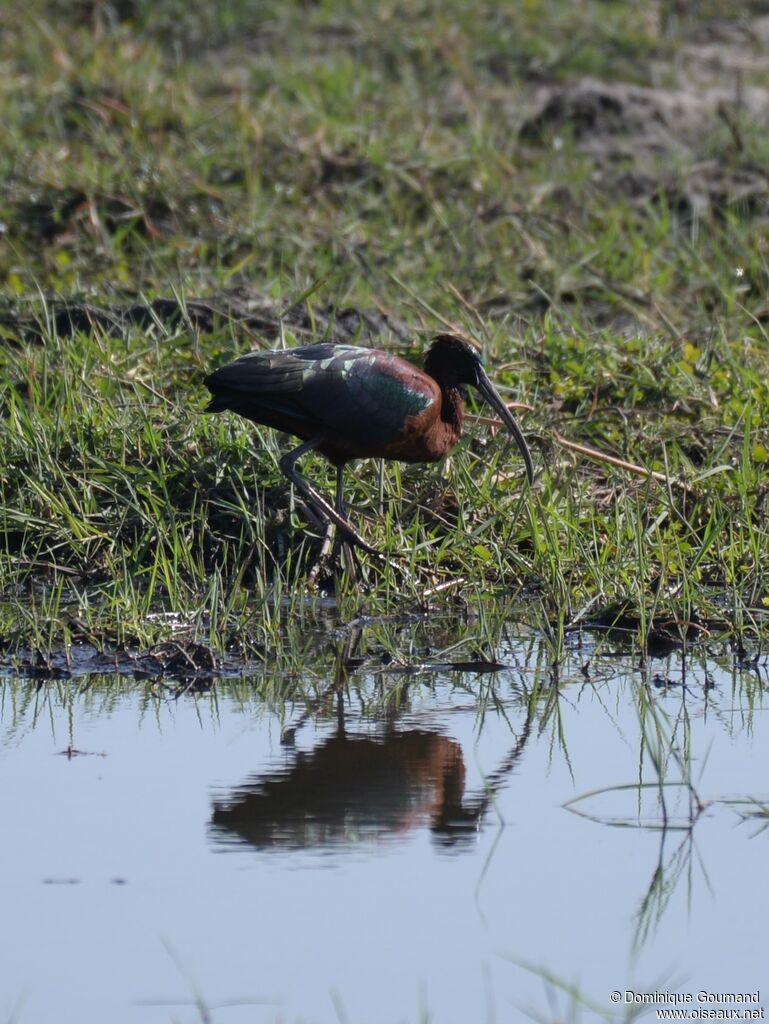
(339, 505)
(316, 500)
(328, 537)
(328, 543)
(348, 551)
(349, 560)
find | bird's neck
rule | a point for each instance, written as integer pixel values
(452, 409)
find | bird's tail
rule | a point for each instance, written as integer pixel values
(217, 404)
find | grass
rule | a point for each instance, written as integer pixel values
(349, 155)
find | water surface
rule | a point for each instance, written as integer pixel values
(384, 845)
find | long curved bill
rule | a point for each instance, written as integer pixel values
(489, 393)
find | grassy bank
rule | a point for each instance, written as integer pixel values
(577, 187)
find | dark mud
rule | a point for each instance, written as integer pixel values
(182, 662)
(642, 139)
(184, 659)
(239, 307)
(656, 141)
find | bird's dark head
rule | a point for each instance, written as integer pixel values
(453, 362)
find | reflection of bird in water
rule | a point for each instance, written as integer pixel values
(352, 788)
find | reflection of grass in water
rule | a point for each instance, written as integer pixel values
(527, 695)
(312, 653)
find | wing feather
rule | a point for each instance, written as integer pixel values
(358, 397)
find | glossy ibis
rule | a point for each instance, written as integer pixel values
(358, 403)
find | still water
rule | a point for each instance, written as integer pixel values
(385, 846)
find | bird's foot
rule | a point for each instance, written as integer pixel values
(321, 576)
(325, 564)
(353, 539)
